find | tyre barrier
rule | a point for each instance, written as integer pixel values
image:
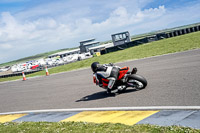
(19, 73)
(151, 38)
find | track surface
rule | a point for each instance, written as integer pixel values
(173, 80)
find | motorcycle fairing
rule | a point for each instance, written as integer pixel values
(122, 72)
(105, 82)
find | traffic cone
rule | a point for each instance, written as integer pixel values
(24, 77)
(47, 72)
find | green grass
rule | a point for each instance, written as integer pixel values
(165, 46)
(82, 127)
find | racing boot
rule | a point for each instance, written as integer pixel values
(109, 91)
(121, 87)
(111, 83)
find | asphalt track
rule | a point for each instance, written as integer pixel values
(173, 80)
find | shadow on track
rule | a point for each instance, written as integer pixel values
(102, 95)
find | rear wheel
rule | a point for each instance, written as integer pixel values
(136, 81)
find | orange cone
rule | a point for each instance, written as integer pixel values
(47, 72)
(24, 77)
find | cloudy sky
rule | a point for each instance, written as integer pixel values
(29, 27)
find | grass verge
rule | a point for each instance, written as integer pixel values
(82, 127)
(165, 46)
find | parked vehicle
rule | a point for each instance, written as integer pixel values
(34, 67)
(5, 69)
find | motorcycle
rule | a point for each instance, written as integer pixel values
(125, 79)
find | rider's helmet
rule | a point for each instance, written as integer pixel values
(94, 66)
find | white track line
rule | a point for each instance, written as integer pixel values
(109, 109)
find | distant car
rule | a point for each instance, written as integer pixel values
(49, 61)
(72, 58)
(59, 61)
(14, 68)
(34, 67)
(41, 62)
(5, 69)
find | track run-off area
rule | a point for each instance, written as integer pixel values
(173, 80)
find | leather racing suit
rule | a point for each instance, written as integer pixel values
(107, 71)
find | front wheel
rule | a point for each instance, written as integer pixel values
(136, 81)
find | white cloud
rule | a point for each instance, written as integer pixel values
(121, 18)
(10, 28)
(5, 46)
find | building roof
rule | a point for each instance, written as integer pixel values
(108, 45)
(102, 46)
(88, 40)
(69, 51)
(89, 43)
(97, 47)
(65, 52)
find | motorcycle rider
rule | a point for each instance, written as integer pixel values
(108, 71)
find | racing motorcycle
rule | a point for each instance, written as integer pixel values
(125, 79)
